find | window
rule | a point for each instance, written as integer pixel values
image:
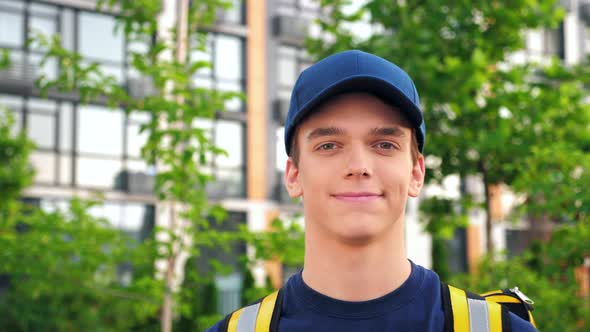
(457, 251)
(287, 66)
(233, 182)
(554, 41)
(135, 140)
(42, 10)
(229, 135)
(41, 130)
(206, 55)
(97, 38)
(14, 106)
(135, 219)
(229, 289)
(226, 55)
(11, 24)
(100, 130)
(43, 20)
(228, 58)
(290, 62)
(65, 170)
(90, 146)
(44, 163)
(66, 127)
(517, 241)
(49, 68)
(41, 122)
(310, 4)
(13, 103)
(229, 170)
(97, 173)
(309, 9)
(235, 14)
(67, 29)
(234, 104)
(229, 286)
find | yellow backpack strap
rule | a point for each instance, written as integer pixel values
(468, 312)
(515, 301)
(261, 316)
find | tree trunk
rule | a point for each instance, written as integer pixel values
(166, 314)
(488, 220)
(182, 7)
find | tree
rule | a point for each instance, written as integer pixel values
(63, 273)
(15, 172)
(174, 146)
(64, 264)
(546, 273)
(442, 216)
(522, 124)
(485, 117)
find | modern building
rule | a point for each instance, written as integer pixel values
(255, 48)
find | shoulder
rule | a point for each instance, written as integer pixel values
(520, 325)
(216, 327)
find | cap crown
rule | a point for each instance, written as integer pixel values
(353, 71)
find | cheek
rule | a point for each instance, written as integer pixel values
(313, 180)
(395, 179)
(314, 174)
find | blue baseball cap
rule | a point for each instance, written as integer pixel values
(353, 71)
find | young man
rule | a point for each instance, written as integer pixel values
(354, 134)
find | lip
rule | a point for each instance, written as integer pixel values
(357, 196)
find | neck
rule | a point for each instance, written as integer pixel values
(355, 272)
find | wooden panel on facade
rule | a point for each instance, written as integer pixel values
(495, 192)
(256, 99)
(274, 268)
(474, 251)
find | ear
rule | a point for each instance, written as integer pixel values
(417, 177)
(292, 180)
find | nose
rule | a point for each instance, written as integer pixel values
(358, 164)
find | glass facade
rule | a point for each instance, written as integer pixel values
(135, 219)
(92, 146)
(291, 59)
(226, 53)
(229, 286)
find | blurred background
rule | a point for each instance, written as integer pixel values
(142, 154)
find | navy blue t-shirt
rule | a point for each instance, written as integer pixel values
(415, 306)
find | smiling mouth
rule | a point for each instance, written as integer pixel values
(357, 197)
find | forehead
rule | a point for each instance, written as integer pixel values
(354, 110)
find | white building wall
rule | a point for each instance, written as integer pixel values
(418, 242)
(573, 30)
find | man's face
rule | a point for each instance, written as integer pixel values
(355, 168)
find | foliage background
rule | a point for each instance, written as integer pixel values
(521, 125)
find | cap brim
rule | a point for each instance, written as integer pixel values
(372, 85)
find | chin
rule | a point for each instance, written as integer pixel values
(357, 239)
(357, 230)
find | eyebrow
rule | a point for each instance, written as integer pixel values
(327, 131)
(334, 131)
(387, 131)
